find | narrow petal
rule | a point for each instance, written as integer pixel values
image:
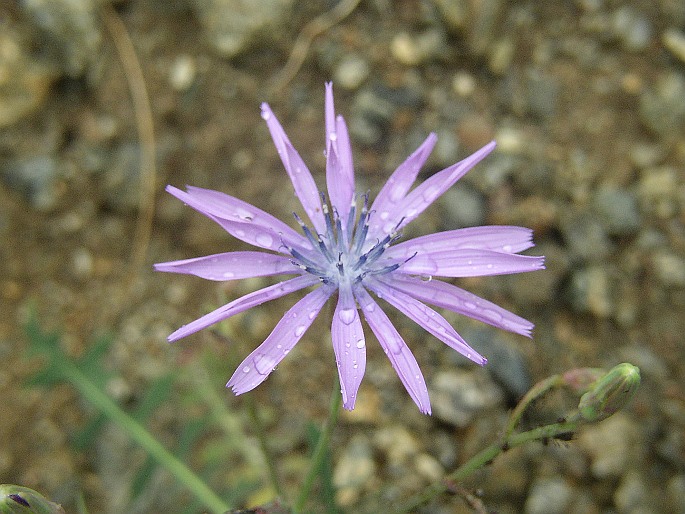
(349, 346)
(244, 303)
(430, 190)
(232, 266)
(427, 318)
(241, 219)
(470, 263)
(396, 349)
(450, 297)
(339, 170)
(289, 330)
(399, 183)
(504, 239)
(303, 182)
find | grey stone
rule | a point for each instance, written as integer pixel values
(232, 25)
(74, 29)
(590, 291)
(34, 177)
(617, 211)
(549, 496)
(458, 397)
(662, 108)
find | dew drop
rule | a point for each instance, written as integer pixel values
(240, 233)
(384, 215)
(470, 305)
(264, 240)
(333, 136)
(490, 266)
(361, 343)
(246, 369)
(243, 214)
(347, 316)
(312, 315)
(300, 330)
(229, 274)
(396, 193)
(266, 114)
(431, 193)
(264, 363)
(507, 248)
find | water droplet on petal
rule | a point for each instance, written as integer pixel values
(384, 215)
(264, 363)
(266, 114)
(229, 274)
(246, 369)
(243, 214)
(361, 343)
(347, 316)
(431, 193)
(470, 305)
(264, 239)
(300, 330)
(507, 248)
(240, 233)
(333, 136)
(396, 193)
(312, 314)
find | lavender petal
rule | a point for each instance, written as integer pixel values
(241, 219)
(303, 182)
(244, 303)
(349, 346)
(232, 266)
(399, 183)
(396, 349)
(503, 239)
(450, 297)
(339, 170)
(431, 189)
(289, 330)
(427, 318)
(470, 263)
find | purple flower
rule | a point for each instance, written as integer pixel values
(350, 249)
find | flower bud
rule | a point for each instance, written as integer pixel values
(580, 380)
(610, 393)
(15, 499)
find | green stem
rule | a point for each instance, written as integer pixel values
(483, 458)
(264, 446)
(533, 394)
(322, 447)
(140, 435)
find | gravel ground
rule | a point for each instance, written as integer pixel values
(586, 100)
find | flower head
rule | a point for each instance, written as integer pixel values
(350, 248)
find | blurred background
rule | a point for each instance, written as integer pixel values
(103, 103)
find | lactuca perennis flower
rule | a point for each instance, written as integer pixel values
(348, 249)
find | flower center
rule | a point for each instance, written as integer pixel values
(344, 255)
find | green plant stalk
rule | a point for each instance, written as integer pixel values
(484, 457)
(140, 435)
(322, 446)
(264, 446)
(533, 394)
